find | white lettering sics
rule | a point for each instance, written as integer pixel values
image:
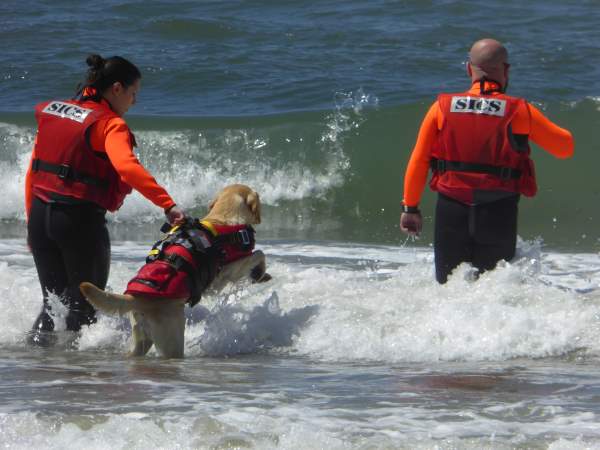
(478, 105)
(67, 111)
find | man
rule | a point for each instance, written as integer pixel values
(476, 144)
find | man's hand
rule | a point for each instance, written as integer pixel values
(175, 215)
(411, 223)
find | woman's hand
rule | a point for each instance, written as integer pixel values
(175, 215)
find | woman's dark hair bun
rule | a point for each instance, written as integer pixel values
(95, 62)
(103, 73)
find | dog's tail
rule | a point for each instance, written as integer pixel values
(107, 301)
(123, 303)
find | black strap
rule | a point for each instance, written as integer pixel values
(66, 172)
(206, 250)
(506, 173)
(199, 239)
(198, 278)
(243, 238)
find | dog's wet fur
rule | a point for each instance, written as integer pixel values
(161, 321)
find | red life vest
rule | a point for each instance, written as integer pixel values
(186, 261)
(476, 149)
(65, 163)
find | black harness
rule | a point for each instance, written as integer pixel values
(206, 247)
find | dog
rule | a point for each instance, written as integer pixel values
(156, 297)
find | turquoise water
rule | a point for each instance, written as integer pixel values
(315, 104)
(326, 175)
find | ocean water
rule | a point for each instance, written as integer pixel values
(352, 344)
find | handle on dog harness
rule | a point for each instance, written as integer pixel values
(203, 250)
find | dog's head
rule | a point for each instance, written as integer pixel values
(236, 204)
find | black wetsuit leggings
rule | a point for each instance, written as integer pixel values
(481, 234)
(70, 244)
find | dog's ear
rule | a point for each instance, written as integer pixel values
(253, 202)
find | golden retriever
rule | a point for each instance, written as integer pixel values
(161, 321)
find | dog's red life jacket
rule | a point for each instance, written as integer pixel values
(186, 261)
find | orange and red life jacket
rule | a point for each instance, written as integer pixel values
(476, 149)
(65, 163)
(186, 261)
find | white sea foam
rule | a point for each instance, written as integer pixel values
(16, 143)
(514, 311)
(285, 427)
(193, 166)
(362, 303)
(337, 304)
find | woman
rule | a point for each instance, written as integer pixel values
(83, 165)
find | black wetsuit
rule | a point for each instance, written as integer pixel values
(482, 234)
(70, 244)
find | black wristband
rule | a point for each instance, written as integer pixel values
(411, 209)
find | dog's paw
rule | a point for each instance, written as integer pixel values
(259, 274)
(265, 277)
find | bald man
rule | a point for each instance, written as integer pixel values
(476, 144)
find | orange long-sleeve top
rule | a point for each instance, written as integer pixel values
(112, 136)
(528, 120)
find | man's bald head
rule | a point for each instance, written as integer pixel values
(488, 58)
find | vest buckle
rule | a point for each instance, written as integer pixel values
(63, 171)
(505, 173)
(441, 165)
(245, 236)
